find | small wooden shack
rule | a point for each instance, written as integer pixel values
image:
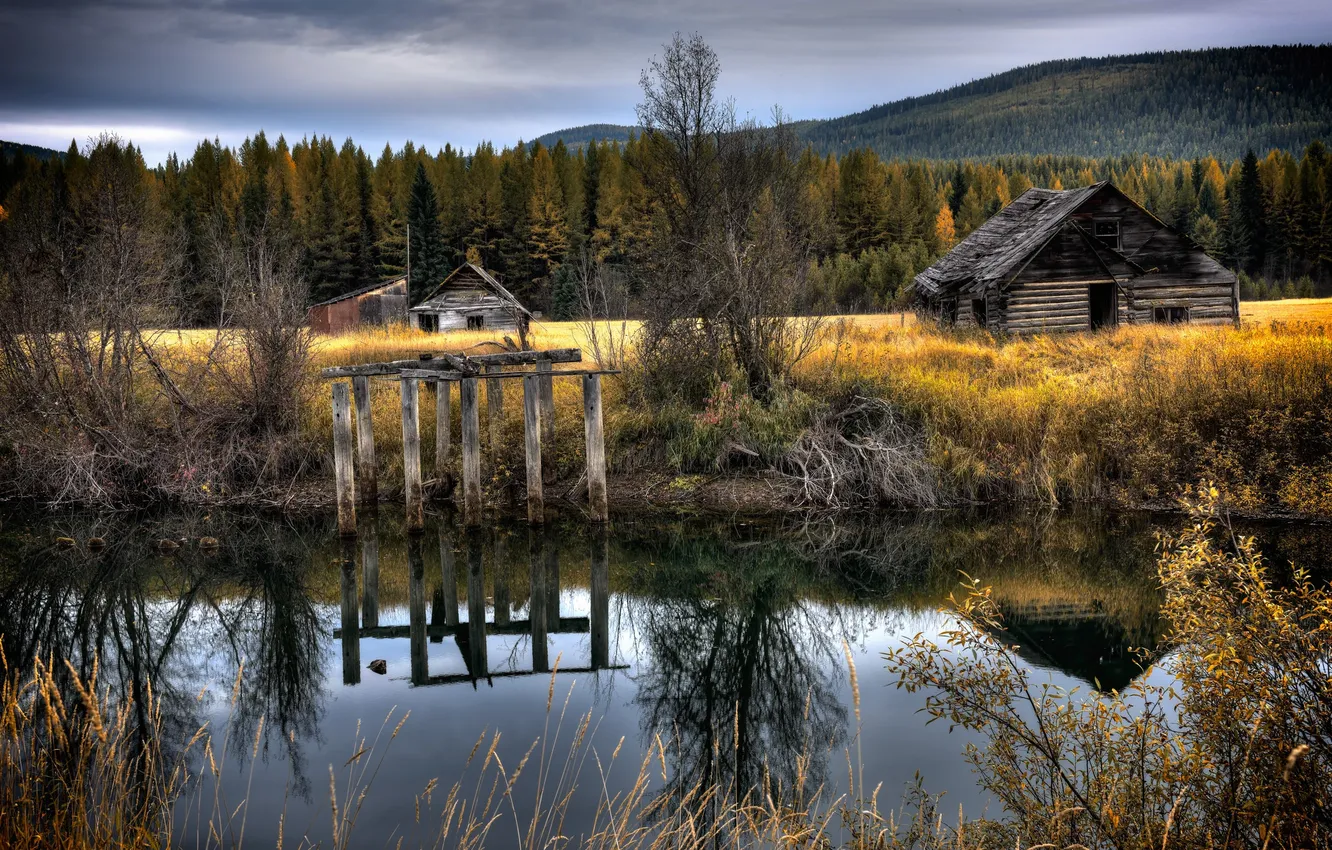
(470, 299)
(1078, 259)
(379, 304)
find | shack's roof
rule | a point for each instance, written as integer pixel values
(998, 248)
(458, 276)
(364, 290)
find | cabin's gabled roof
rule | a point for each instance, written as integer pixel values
(999, 247)
(435, 298)
(364, 290)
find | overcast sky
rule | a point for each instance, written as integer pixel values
(166, 74)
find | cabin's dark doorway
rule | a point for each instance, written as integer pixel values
(1102, 296)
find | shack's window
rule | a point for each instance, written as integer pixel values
(1170, 315)
(1107, 232)
(476, 323)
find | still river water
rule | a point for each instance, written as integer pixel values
(719, 637)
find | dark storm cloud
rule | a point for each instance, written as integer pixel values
(451, 70)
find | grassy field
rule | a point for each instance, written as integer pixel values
(1125, 417)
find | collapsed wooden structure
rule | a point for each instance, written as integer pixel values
(443, 371)
(470, 299)
(1077, 259)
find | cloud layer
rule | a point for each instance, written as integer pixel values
(168, 73)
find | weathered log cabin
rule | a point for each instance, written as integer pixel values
(470, 299)
(378, 304)
(1077, 259)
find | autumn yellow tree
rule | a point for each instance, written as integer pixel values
(549, 239)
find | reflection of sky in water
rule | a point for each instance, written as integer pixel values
(700, 616)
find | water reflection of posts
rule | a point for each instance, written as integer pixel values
(536, 607)
(449, 575)
(370, 573)
(474, 653)
(552, 584)
(600, 625)
(416, 610)
(501, 579)
(351, 633)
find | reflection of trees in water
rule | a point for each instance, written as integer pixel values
(740, 671)
(144, 617)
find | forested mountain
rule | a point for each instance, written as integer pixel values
(577, 137)
(1217, 102)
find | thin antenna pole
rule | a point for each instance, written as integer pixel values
(409, 259)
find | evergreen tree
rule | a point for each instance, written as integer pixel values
(1248, 216)
(591, 188)
(427, 245)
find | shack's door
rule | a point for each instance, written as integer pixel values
(1104, 312)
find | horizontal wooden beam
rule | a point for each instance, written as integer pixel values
(467, 679)
(457, 362)
(427, 375)
(568, 625)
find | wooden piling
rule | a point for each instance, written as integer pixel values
(342, 459)
(544, 369)
(477, 661)
(471, 448)
(494, 409)
(552, 553)
(411, 455)
(367, 474)
(443, 428)
(596, 448)
(536, 502)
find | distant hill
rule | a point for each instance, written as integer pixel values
(8, 150)
(576, 137)
(1182, 104)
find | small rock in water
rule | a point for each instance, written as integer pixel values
(65, 542)
(379, 666)
(167, 545)
(96, 544)
(208, 543)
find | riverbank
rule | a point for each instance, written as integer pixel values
(883, 413)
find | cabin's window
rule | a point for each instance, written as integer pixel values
(1107, 232)
(1170, 315)
(429, 322)
(978, 311)
(476, 323)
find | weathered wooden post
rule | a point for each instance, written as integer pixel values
(351, 633)
(544, 369)
(494, 408)
(600, 625)
(411, 454)
(536, 606)
(596, 448)
(370, 575)
(443, 432)
(471, 440)
(342, 459)
(368, 483)
(536, 502)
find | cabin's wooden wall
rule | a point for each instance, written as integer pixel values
(1180, 275)
(1037, 306)
(1136, 227)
